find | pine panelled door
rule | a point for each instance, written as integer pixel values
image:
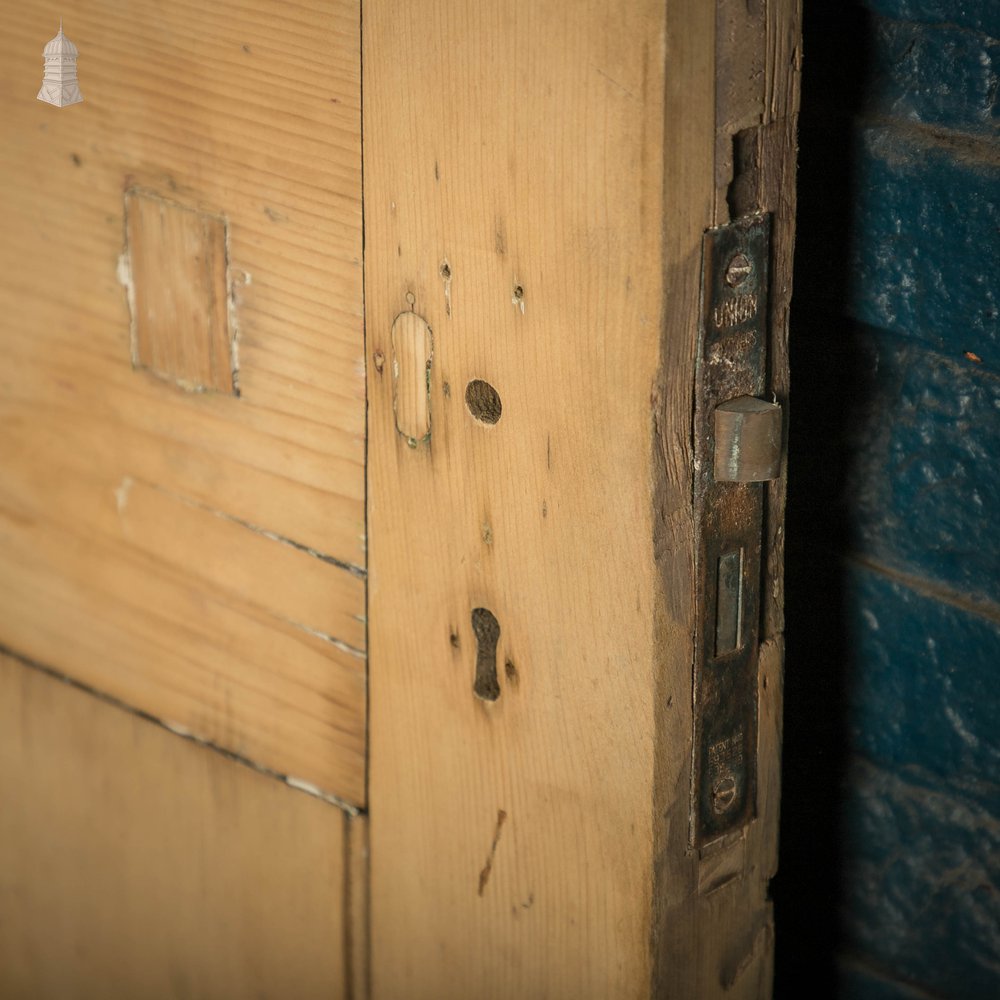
(376, 619)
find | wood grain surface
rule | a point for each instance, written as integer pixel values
(537, 187)
(517, 558)
(511, 830)
(197, 554)
(178, 280)
(138, 864)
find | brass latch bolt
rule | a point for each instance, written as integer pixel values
(747, 440)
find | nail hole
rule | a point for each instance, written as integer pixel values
(487, 631)
(518, 293)
(445, 271)
(511, 671)
(483, 401)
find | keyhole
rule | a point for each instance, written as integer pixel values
(483, 401)
(487, 631)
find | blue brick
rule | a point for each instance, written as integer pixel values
(857, 982)
(935, 75)
(922, 884)
(923, 686)
(976, 15)
(922, 488)
(924, 256)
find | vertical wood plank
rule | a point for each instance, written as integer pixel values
(689, 196)
(484, 137)
(357, 951)
(757, 50)
(513, 197)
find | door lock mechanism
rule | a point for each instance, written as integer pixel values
(738, 449)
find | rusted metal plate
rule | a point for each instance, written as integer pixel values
(732, 364)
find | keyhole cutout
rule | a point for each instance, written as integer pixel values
(483, 401)
(487, 631)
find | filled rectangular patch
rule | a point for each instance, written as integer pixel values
(178, 293)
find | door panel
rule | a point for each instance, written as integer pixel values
(182, 398)
(538, 182)
(137, 864)
(187, 485)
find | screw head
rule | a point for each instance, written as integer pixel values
(724, 793)
(738, 270)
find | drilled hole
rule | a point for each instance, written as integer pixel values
(487, 632)
(483, 401)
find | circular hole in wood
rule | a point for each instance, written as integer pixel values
(483, 401)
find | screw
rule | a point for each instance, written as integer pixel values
(723, 793)
(738, 270)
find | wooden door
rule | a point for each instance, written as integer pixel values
(182, 513)
(348, 535)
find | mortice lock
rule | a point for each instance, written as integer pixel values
(738, 449)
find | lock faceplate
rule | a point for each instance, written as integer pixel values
(732, 366)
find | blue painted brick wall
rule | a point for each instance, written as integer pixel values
(921, 884)
(923, 488)
(940, 75)
(896, 335)
(861, 982)
(920, 819)
(982, 16)
(923, 700)
(926, 245)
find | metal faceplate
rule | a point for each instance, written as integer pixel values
(732, 360)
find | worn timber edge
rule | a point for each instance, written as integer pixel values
(738, 106)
